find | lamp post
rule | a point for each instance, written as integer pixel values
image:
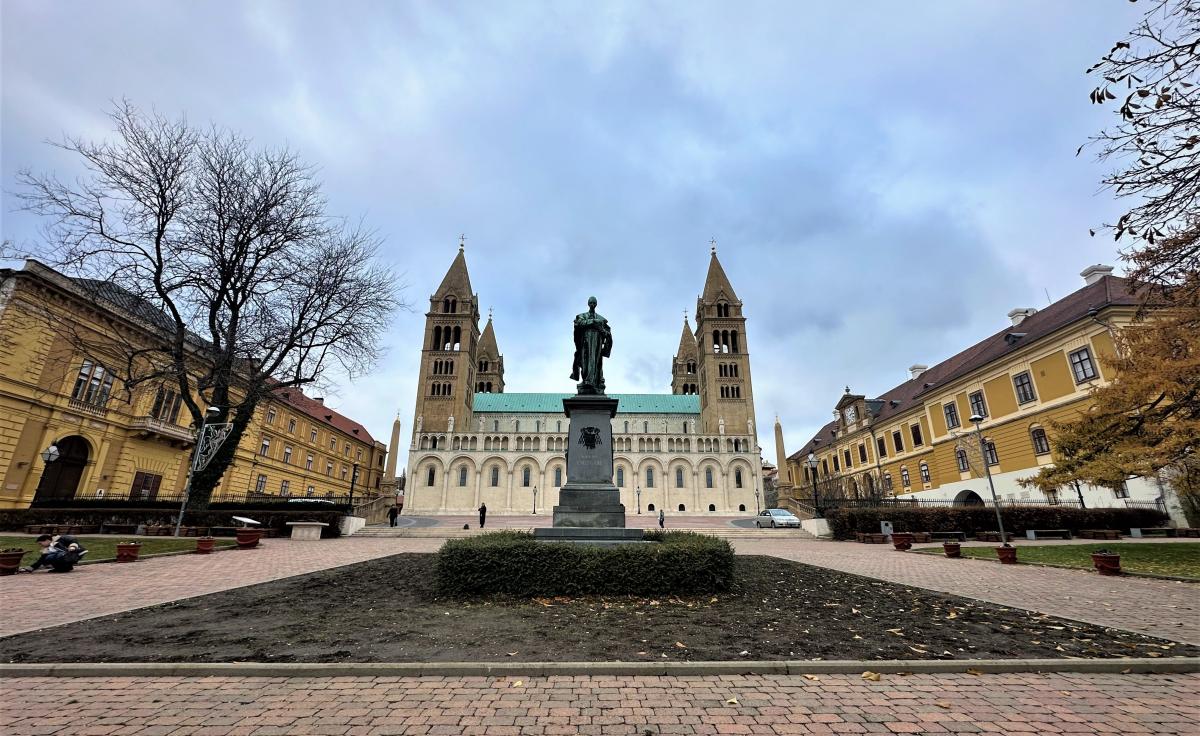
(353, 480)
(535, 500)
(757, 508)
(987, 468)
(812, 473)
(202, 453)
(639, 499)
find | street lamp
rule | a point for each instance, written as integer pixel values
(353, 479)
(756, 506)
(987, 468)
(50, 454)
(639, 499)
(535, 500)
(812, 473)
(198, 460)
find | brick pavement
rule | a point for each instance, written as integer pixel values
(44, 599)
(1162, 608)
(766, 704)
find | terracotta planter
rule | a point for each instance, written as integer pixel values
(10, 562)
(902, 541)
(247, 538)
(1107, 563)
(204, 545)
(953, 550)
(128, 551)
(1007, 555)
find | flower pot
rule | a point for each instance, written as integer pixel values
(902, 541)
(953, 550)
(204, 545)
(128, 551)
(1007, 555)
(247, 538)
(1107, 563)
(10, 561)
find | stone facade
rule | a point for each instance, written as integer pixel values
(691, 451)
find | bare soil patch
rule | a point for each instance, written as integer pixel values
(387, 610)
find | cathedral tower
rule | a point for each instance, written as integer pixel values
(489, 363)
(683, 370)
(445, 387)
(726, 397)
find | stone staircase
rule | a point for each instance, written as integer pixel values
(448, 532)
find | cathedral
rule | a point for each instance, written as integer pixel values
(692, 451)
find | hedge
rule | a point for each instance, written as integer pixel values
(18, 519)
(514, 563)
(845, 522)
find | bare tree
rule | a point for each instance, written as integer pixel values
(1153, 75)
(226, 256)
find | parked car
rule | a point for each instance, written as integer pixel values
(776, 518)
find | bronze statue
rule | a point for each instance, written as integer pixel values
(593, 343)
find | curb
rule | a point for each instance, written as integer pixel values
(544, 669)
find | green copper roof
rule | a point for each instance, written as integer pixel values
(552, 403)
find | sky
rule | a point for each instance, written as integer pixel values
(884, 180)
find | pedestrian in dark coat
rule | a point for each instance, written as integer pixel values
(393, 512)
(662, 519)
(482, 514)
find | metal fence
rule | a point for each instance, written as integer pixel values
(938, 503)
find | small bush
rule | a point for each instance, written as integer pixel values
(514, 563)
(844, 523)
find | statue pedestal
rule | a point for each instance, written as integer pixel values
(589, 506)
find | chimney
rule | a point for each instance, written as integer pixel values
(320, 400)
(916, 369)
(1092, 274)
(1019, 314)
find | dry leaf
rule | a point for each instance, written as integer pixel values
(918, 651)
(681, 645)
(952, 614)
(872, 676)
(1153, 654)
(731, 701)
(897, 632)
(972, 671)
(812, 677)
(513, 654)
(1126, 671)
(942, 704)
(642, 653)
(518, 683)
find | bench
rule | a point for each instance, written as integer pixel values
(921, 537)
(118, 528)
(1036, 533)
(871, 537)
(942, 536)
(307, 531)
(1154, 531)
(1187, 532)
(1099, 534)
(992, 537)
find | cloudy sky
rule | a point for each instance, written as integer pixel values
(884, 183)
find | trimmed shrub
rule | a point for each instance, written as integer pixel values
(514, 563)
(845, 522)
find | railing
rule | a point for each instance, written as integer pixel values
(937, 502)
(166, 429)
(1156, 505)
(96, 409)
(374, 510)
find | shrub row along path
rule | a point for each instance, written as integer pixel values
(1162, 608)
(543, 706)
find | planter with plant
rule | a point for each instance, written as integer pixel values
(204, 545)
(128, 551)
(902, 541)
(1007, 554)
(952, 549)
(247, 537)
(10, 560)
(1106, 562)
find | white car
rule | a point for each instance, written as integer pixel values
(776, 518)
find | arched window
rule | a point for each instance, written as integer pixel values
(525, 476)
(462, 475)
(679, 477)
(557, 477)
(436, 344)
(495, 425)
(737, 477)
(685, 428)
(1041, 445)
(887, 481)
(964, 465)
(430, 476)
(559, 426)
(645, 427)
(682, 507)
(712, 507)
(495, 479)
(904, 479)
(733, 339)
(708, 478)
(716, 341)
(649, 477)
(517, 425)
(621, 477)
(924, 473)
(649, 507)
(457, 338)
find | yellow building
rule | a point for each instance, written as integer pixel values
(917, 439)
(117, 443)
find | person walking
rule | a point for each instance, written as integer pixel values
(393, 512)
(662, 519)
(482, 514)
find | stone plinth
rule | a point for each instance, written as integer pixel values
(306, 531)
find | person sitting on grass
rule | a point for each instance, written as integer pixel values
(59, 554)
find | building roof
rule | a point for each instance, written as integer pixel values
(456, 281)
(552, 403)
(717, 282)
(295, 398)
(1105, 292)
(487, 341)
(687, 342)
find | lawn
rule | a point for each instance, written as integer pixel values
(105, 548)
(1178, 559)
(390, 610)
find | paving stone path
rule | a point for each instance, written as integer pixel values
(44, 599)
(1162, 608)
(778, 704)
